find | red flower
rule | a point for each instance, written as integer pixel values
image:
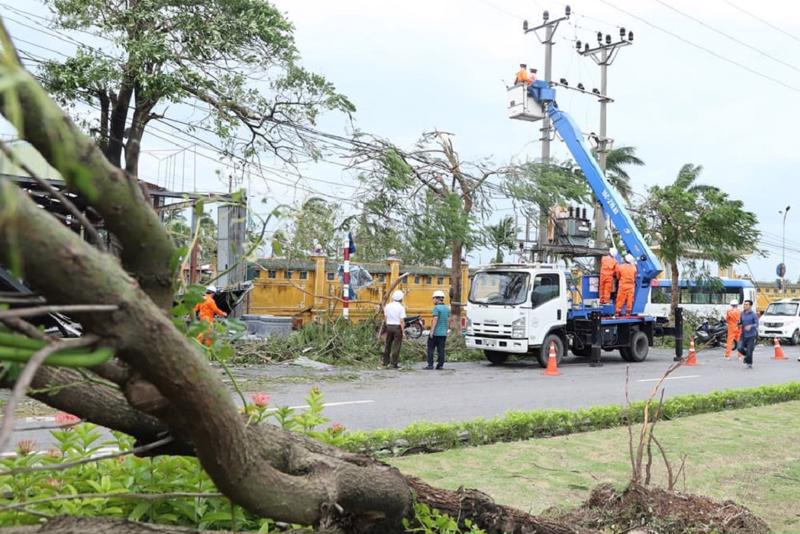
(25, 447)
(260, 399)
(66, 419)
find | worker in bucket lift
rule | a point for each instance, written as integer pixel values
(627, 285)
(522, 76)
(609, 269)
(207, 311)
(732, 317)
(532, 76)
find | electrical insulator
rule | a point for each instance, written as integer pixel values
(608, 39)
(546, 15)
(578, 46)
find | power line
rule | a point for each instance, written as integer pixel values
(763, 21)
(703, 48)
(728, 36)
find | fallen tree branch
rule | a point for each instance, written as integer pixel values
(26, 377)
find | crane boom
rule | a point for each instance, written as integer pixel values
(648, 266)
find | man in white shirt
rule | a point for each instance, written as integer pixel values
(395, 314)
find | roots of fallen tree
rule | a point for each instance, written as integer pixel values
(665, 512)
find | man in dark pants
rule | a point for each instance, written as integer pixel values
(395, 314)
(749, 330)
(438, 335)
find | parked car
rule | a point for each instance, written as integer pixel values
(781, 319)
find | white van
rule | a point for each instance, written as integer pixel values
(781, 319)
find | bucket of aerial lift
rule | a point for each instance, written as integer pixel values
(522, 106)
(541, 92)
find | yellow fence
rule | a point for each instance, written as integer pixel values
(767, 292)
(311, 289)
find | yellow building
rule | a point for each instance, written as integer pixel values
(767, 292)
(310, 289)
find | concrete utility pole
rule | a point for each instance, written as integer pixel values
(604, 54)
(545, 32)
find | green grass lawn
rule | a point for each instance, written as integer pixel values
(751, 456)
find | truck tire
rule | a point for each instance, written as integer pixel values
(495, 357)
(544, 350)
(637, 348)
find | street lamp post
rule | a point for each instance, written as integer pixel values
(783, 247)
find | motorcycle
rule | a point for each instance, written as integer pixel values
(711, 333)
(414, 326)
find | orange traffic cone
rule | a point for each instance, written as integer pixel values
(552, 363)
(692, 358)
(778, 350)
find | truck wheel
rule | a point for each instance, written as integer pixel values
(795, 339)
(495, 357)
(637, 349)
(544, 350)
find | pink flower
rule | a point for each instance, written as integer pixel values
(54, 453)
(260, 399)
(53, 482)
(66, 419)
(25, 447)
(337, 428)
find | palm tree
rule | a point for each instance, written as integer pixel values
(501, 235)
(617, 160)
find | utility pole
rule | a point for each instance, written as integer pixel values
(604, 54)
(545, 32)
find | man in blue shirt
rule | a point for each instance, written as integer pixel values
(749, 329)
(438, 335)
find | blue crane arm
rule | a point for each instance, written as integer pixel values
(647, 265)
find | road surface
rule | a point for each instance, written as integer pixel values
(365, 400)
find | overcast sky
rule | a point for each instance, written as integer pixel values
(414, 66)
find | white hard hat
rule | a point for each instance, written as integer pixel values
(438, 294)
(734, 303)
(211, 289)
(629, 258)
(612, 251)
(397, 296)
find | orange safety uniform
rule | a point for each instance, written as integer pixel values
(609, 268)
(523, 77)
(208, 310)
(627, 285)
(732, 317)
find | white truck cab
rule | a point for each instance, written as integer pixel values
(515, 308)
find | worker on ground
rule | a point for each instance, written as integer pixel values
(732, 317)
(207, 311)
(394, 320)
(609, 269)
(749, 328)
(439, 328)
(522, 75)
(627, 285)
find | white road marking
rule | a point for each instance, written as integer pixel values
(668, 378)
(327, 405)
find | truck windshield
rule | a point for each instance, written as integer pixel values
(782, 308)
(500, 288)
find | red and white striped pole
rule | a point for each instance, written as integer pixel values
(346, 280)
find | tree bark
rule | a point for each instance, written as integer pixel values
(455, 286)
(105, 106)
(141, 116)
(119, 117)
